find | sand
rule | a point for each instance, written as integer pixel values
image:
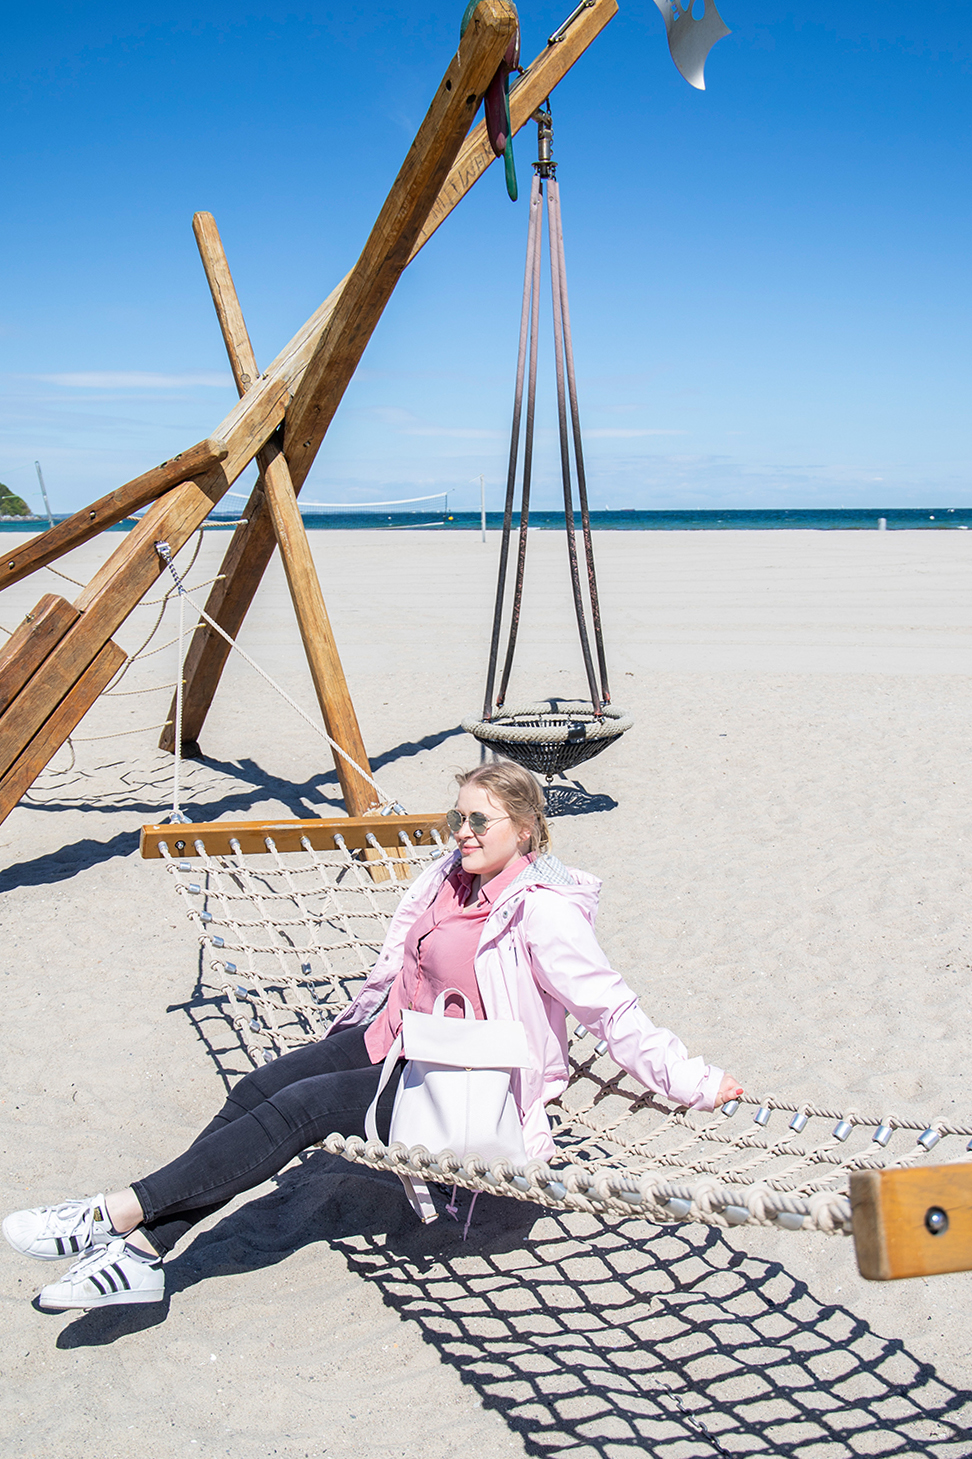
(783, 840)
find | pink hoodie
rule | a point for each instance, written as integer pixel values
(538, 960)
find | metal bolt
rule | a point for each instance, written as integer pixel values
(799, 1121)
(184, 865)
(218, 942)
(240, 991)
(929, 1139)
(195, 887)
(268, 1056)
(936, 1221)
(882, 1134)
(730, 1107)
(205, 916)
(229, 968)
(181, 846)
(601, 1047)
(842, 1129)
(255, 1025)
(761, 1117)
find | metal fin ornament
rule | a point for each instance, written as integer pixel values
(690, 39)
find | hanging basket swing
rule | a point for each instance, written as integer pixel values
(553, 736)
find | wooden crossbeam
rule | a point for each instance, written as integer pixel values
(251, 548)
(912, 1223)
(107, 510)
(217, 837)
(320, 647)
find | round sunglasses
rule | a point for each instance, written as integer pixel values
(479, 823)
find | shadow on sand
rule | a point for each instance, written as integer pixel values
(611, 1339)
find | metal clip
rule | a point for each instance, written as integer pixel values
(762, 1115)
(929, 1139)
(842, 1129)
(730, 1107)
(882, 1134)
(799, 1121)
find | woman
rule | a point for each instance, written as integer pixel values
(500, 920)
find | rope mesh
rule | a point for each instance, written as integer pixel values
(290, 938)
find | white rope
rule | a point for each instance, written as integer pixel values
(162, 548)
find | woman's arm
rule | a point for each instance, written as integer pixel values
(568, 963)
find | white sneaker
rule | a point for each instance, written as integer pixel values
(106, 1277)
(52, 1232)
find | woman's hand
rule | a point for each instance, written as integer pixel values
(730, 1088)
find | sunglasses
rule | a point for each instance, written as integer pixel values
(478, 822)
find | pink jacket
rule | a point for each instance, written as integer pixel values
(538, 960)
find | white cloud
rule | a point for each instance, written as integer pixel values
(619, 433)
(137, 380)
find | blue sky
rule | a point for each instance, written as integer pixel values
(769, 279)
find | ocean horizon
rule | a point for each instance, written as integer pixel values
(628, 519)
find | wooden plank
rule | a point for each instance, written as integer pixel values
(115, 507)
(286, 835)
(31, 642)
(249, 553)
(327, 672)
(62, 722)
(528, 92)
(894, 1235)
(430, 158)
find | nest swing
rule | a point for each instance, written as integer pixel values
(552, 736)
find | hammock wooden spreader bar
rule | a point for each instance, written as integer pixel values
(300, 391)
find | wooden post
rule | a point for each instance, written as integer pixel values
(252, 546)
(323, 658)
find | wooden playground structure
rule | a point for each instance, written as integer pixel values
(63, 655)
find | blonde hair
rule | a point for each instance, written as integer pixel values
(517, 792)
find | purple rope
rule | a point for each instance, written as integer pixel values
(530, 271)
(557, 231)
(558, 290)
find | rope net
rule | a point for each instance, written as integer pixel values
(289, 939)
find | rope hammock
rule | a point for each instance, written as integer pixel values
(287, 940)
(553, 737)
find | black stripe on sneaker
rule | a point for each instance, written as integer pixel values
(124, 1280)
(106, 1273)
(60, 1245)
(75, 1244)
(95, 1283)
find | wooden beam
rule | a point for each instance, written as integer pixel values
(489, 31)
(528, 91)
(107, 510)
(30, 644)
(65, 717)
(251, 548)
(898, 1226)
(323, 658)
(252, 836)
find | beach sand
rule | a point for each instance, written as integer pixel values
(783, 840)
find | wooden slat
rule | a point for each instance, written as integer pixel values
(324, 661)
(115, 507)
(529, 91)
(890, 1209)
(251, 548)
(286, 835)
(430, 158)
(62, 722)
(30, 644)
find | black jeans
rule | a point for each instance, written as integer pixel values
(271, 1115)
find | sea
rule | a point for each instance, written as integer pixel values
(842, 519)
